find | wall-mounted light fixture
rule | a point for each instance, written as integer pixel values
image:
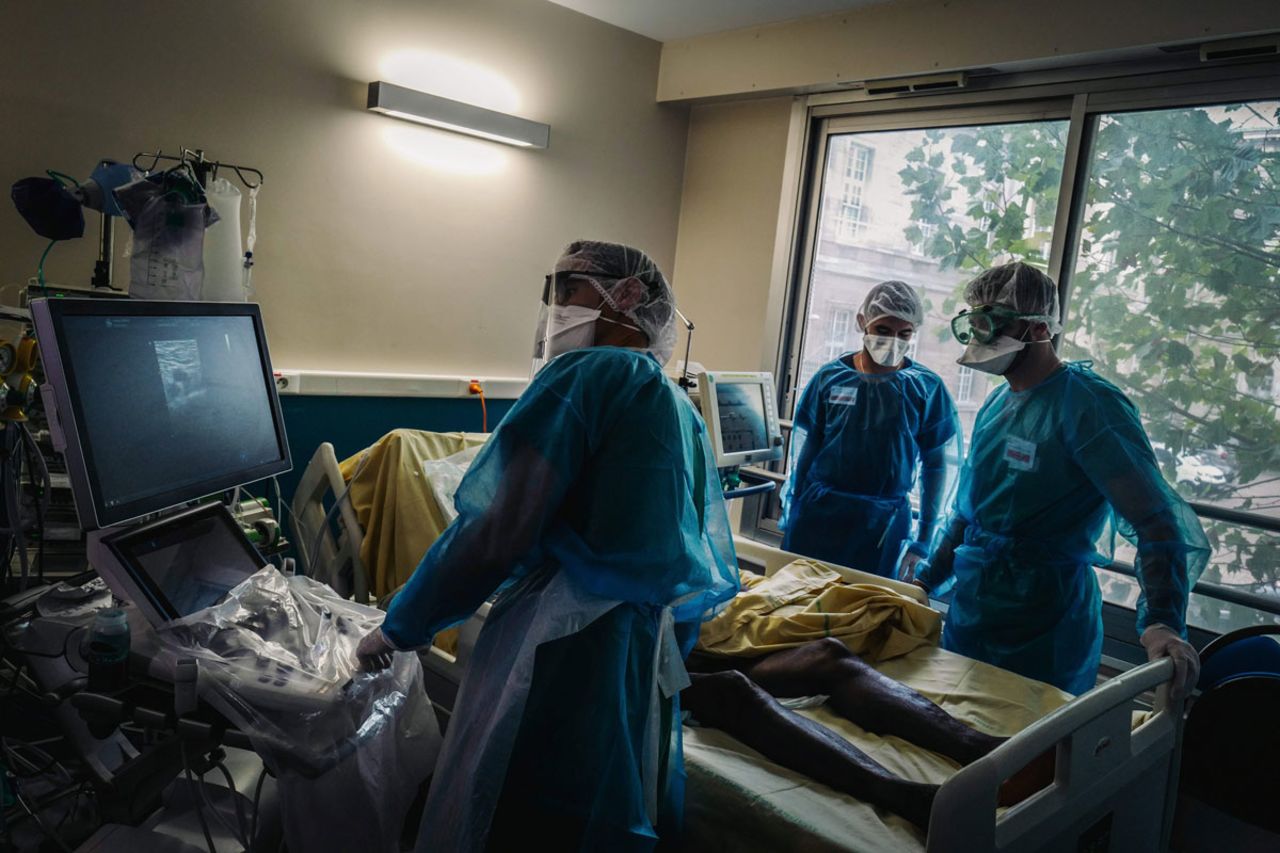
(412, 105)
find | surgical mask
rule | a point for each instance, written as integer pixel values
(561, 329)
(996, 357)
(570, 327)
(886, 350)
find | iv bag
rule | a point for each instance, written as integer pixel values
(166, 261)
(223, 256)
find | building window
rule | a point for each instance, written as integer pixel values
(838, 336)
(851, 217)
(964, 386)
(858, 164)
(926, 230)
(851, 213)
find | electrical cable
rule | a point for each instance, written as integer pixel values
(203, 790)
(257, 804)
(50, 762)
(53, 836)
(241, 820)
(204, 824)
(42, 499)
(476, 389)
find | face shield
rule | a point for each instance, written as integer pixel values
(572, 304)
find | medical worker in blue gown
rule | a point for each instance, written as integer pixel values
(594, 509)
(1056, 454)
(869, 426)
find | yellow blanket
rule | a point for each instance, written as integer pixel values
(393, 501)
(394, 504)
(806, 601)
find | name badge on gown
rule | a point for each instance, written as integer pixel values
(1020, 454)
(845, 396)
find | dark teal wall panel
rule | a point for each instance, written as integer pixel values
(353, 423)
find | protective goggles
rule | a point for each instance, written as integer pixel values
(985, 323)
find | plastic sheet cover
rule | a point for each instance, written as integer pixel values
(349, 749)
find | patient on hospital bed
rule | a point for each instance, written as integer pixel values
(803, 633)
(794, 635)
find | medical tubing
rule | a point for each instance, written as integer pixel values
(46, 487)
(217, 815)
(60, 177)
(40, 268)
(204, 824)
(35, 815)
(241, 820)
(257, 802)
(13, 497)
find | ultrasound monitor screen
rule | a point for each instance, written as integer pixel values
(169, 408)
(741, 410)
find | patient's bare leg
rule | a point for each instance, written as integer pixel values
(729, 701)
(859, 694)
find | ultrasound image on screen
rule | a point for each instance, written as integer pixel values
(193, 567)
(168, 402)
(740, 407)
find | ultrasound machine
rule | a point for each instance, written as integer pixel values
(156, 406)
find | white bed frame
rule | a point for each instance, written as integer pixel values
(1115, 786)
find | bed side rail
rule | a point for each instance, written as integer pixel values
(1112, 786)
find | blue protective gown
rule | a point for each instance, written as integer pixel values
(599, 481)
(858, 440)
(1047, 469)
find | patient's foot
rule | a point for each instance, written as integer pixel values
(1036, 776)
(914, 802)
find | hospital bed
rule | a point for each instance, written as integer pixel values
(1116, 771)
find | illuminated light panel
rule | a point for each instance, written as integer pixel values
(445, 114)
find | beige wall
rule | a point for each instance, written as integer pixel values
(369, 259)
(919, 36)
(728, 223)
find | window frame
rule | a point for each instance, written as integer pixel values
(1080, 96)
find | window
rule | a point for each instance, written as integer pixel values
(964, 385)
(838, 340)
(858, 163)
(920, 235)
(1174, 297)
(969, 168)
(1166, 211)
(851, 216)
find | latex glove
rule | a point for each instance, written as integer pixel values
(375, 651)
(907, 567)
(1161, 641)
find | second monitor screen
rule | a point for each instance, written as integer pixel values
(741, 409)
